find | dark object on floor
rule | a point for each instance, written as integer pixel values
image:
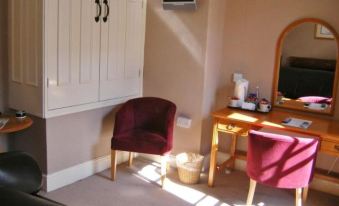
(20, 181)
(144, 125)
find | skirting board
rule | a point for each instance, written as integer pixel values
(78, 172)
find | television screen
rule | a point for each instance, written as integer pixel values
(178, 0)
(179, 4)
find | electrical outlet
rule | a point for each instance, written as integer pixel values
(184, 122)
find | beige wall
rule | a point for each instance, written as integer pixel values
(3, 66)
(251, 32)
(301, 42)
(76, 138)
(62, 142)
(213, 64)
(174, 65)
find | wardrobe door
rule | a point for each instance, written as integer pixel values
(72, 49)
(122, 49)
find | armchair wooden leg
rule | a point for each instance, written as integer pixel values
(298, 199)
(163, 170)
(305, 193)
(113, 164)
(251, 192)
(130, 159)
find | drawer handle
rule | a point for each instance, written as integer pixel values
(107, 11)
(230, 126)
(336, 147)
(97, 18)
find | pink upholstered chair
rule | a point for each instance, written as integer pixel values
(144, 125)
(280, 161)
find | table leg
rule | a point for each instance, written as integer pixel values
(230, 162)
(214, 150)
(232, 150)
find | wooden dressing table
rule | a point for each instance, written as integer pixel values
(238, 122)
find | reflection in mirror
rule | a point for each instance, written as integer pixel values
(307, 69)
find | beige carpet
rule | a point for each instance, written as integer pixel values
(137, 186)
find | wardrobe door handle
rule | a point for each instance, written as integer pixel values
(97, 18)
(107, 11)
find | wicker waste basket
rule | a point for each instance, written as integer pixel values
(189, 167)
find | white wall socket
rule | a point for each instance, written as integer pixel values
(237, 76)
(184, 122)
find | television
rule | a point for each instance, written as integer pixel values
(179, 4)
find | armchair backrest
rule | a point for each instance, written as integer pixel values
(281, 161)
(19, 171)
(147, 113)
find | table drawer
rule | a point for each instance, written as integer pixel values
(330, 147)
(230, 126)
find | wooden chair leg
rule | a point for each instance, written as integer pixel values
(163, 170)
(251, 192)
(305, 193)
(298, 199)
(113, 164)
(130, 159)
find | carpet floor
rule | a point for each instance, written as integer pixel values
(139, 185)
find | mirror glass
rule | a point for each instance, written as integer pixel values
(307, 69)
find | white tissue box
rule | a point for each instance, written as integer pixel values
(248, 106)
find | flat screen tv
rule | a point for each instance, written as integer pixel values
(179, 4)
(178, 0)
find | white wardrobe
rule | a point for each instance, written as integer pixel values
(73, 55)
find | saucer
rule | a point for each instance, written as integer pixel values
(266, 111)
(233, 106)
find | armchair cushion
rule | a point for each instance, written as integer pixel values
(141, 141)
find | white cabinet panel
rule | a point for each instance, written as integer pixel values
(15, 40)
(134, 49)
(24, 44)
(64, 39)
(122, 48)
(62, 60)
(72, 46)
(25, 60)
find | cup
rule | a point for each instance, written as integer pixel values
(20, 114)
(234, 102)
(264, 106)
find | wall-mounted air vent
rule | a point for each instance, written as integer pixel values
(179, 4)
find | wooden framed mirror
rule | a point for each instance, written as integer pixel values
(306, 67)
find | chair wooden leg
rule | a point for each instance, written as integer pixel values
(251, 192)
(305, 193)
(163, 170)
(298, 198)
(130, 159)
(113, 164)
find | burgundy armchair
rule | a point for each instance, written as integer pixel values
(280, 161)
(144, 125)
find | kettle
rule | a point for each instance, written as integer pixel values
(240, 90)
